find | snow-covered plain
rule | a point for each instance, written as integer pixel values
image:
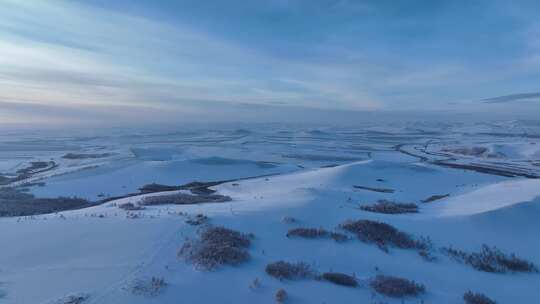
(308, 174)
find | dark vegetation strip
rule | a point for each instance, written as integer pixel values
(477, 298)
(195, 187)
(488, 170)
(384, 235)
(435, 198)
(86, 155)
(389, 207)
(382, 190)
(491, 259)
(25, 173)
(396, 287)
(472, 167)
(14, 202)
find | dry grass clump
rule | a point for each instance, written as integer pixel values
(491, 259)
(130, 207)
(477, 298)
(389, 207)
(184, 199)
(281, 296)
(289, 271)
(396, 287)
(149, 288)
(217, 246)
(340, 279)
(383, 235)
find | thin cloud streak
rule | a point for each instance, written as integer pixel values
(513, 98)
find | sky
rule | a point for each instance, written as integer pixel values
(187, 60)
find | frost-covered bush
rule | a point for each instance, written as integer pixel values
(217, 246)
(340, 279)
(396, 287)
(477, 298)
(290, 271)
(491, 259)
(384, 235)
(389, 207)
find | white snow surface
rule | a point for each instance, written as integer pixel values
(101, 251)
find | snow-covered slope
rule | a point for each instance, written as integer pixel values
(101, 253)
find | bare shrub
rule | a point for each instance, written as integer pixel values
(288, 220)
(340, 279)
(491, 259)
(339, 237)
(184, 199)
(477, 298)
(290, 271)
(383, 235)
(130, 207)
(427, 255)
(72, 299)
(396, 287)
(217, 246)
(389, 207)
(197, 220)
(255, 284)
(281, 296)
(310, 233)
(150, 288)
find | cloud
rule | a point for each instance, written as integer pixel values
(178, 57)
(62, 53)
(513, 98)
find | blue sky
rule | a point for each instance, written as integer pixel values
(75, 59)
